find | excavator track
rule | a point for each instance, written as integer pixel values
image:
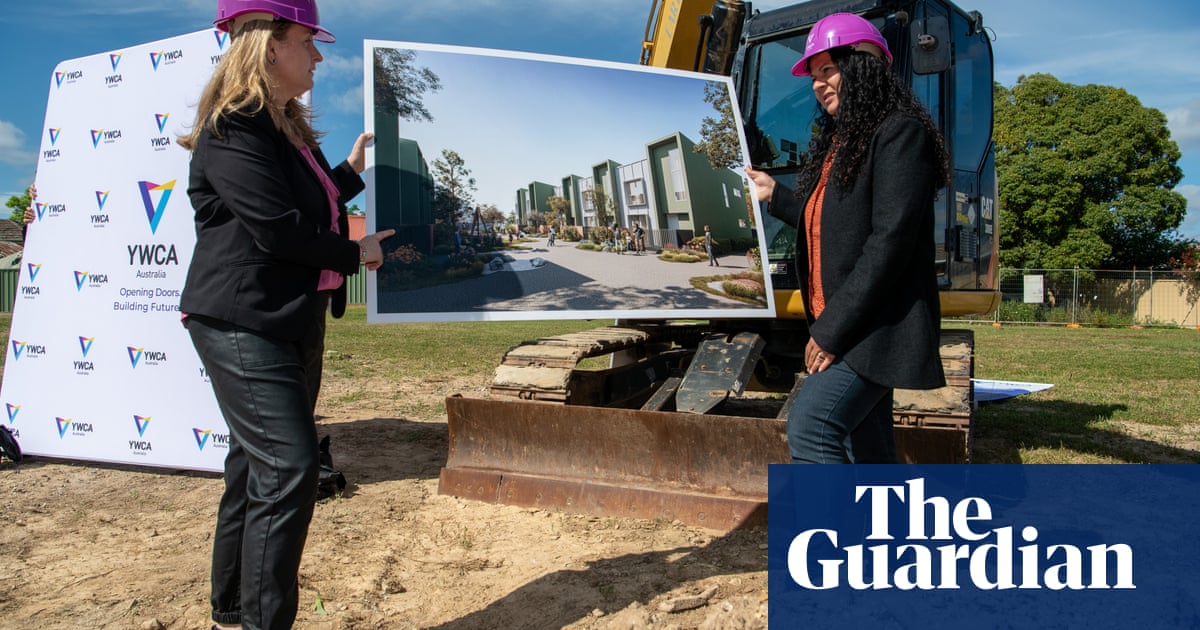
(554, 435)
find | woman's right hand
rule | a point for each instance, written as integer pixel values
(372, 251)
(764, 184)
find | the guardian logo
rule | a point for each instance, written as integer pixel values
(956, 548)
(114, 79)
(142, 356)
(165, 58)
(161, 142)
(208, 438)
(52, 154)
(100, 218)
(105, 136)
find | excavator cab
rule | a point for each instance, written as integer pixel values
(945, 55)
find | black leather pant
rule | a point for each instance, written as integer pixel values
(266, 389)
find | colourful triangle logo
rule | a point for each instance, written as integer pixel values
(155, 209)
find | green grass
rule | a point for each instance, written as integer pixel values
(1119, 395)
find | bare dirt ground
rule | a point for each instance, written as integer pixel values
(87, 546)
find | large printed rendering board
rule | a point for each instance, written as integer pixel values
(474, 146)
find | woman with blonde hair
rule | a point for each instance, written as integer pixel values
(271, 257)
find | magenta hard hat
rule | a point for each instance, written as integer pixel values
(841, 29)
(303, 12)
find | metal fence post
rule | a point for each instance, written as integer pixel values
(1075, 295)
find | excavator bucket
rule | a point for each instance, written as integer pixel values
(665, 435)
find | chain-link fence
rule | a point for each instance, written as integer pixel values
(1099, 298)
(1051, 296)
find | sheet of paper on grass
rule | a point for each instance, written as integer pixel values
(472, 143)
(987, 390)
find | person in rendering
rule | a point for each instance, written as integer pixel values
(865, 250)
(639, 236)
(550, 241)
(708, 247)
(270, 258)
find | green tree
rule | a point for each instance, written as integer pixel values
(1087, 177)
(606, 208)
(399, 84)
(558, 209)
(19, 203)
(454, 179)
(719, 140)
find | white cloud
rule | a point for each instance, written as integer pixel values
(12, 141)
(1191, 222)
(1185, 126)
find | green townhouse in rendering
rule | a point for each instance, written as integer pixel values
(673, 193)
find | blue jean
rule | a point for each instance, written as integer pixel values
(838, 412)
(266, 389)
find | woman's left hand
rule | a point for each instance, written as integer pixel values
(816, 359)
(358, 155)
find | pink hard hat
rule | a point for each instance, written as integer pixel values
(840, 29)
(302, 12)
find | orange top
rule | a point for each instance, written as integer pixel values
(812, 230)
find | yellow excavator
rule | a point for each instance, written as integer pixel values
(675, 423)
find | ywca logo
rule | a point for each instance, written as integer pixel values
(100, 219)
(13, 410)
(52, 154)
(207, 437)
(70, 76)
(83, 366)
(28, 350)
(49, 210)
(145, 357)
(93, 280)
(31, 290)
(155, 207)
(141, 447)
(161, 142)
(114, 79)
(76, 428)
(105, 136)
(222, 39)
(168, 57)
(935, 543)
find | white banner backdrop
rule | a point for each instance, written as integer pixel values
(98, 365)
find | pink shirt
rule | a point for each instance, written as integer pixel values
(329, 279)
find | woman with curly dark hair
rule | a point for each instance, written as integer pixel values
(862, 209)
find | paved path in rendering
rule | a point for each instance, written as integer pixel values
(587, 281)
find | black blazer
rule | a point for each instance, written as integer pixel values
(882, 313)
(263, 229)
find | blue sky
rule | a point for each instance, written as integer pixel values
(1149, 48)
(561, 118)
